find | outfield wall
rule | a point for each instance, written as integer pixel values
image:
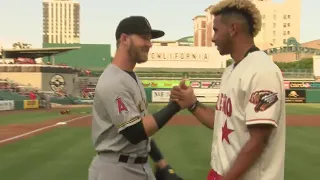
(207, 91)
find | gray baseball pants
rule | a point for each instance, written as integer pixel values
(107, 167)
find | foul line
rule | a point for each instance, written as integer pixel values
(41, 129)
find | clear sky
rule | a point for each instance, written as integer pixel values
(21, 20)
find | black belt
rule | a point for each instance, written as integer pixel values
(125, 158)
(137, 160)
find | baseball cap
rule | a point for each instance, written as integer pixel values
(137, 25)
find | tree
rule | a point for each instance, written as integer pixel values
(21, 45)
(292, 41)
(229, 62)
(302, 64)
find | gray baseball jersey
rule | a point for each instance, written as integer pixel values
(119, 102)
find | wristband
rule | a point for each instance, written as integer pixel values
(164, 115)
(193, 107)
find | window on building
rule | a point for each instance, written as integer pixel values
(203, 24)
(274, 17)
(263, 16)
(284, 32)
(288, 32)
(263, 25)
(288, 16)
(284, 16)
(164, 44)
(274, 41)
(274, 33)
(274, 25)
(284, 25)
(284, 41)
(288, 24)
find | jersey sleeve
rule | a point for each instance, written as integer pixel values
(264, 91)
(121, 108)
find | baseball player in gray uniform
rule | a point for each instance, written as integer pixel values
(121, 125)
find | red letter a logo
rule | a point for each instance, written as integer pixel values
(121, 106)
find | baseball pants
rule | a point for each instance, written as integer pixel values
(108, 168)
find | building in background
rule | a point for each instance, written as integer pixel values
(61, 21)
(280, 21)
(200, 32)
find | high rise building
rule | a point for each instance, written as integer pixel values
(280, 21)
(61, 21)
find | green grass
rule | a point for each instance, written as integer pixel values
(57, 154)
(54, 155)
(35, 116)
(65, 153)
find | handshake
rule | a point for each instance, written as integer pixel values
(183, 95)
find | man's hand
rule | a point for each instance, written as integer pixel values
(183, 95)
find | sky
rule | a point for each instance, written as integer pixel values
(21, 20)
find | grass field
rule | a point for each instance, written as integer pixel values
(65, 152)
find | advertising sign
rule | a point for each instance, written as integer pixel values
(6, 105)
(160, 96)
(286, 84)
(30, 104)
(305, 85)
(206, 84)
(295, 96)
(207, 95)
(168, 57)
(166, 84)
(203, 95)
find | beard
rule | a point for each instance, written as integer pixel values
(137, 54)
(225, 46)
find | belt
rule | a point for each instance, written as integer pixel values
(137, 160)
(125, 158)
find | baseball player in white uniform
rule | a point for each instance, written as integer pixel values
(121, 125)
(248, 121)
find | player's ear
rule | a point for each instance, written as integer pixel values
(124, 38)
(232, 29)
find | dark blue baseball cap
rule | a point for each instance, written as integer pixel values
(137, 25)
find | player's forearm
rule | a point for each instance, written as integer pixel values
(152, 123)
(205, 115)
(246, 158)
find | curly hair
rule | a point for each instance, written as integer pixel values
(245, 7)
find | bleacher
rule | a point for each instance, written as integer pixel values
(8, 95)
(298, 74)
(10, 90)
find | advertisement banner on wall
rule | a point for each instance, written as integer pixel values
(203, 95)
(286, 84)
(206, 84)
(305, 85)
(30, 104)
(295, 96)
(6, 105)
(160, 96)
(161, 83)
(207, 95)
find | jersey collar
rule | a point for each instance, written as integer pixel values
(252, 49)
